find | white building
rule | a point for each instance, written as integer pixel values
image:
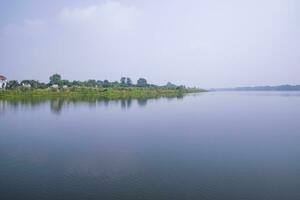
(55, 86)
(26, 85)
(3, 82)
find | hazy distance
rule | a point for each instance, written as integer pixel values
(197, 43)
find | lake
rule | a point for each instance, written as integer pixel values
(217, 145)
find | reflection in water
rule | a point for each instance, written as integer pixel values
(209, 146)
(58, 104)
(19, 105)
(126, 103)
(142, 102)
(2, 106)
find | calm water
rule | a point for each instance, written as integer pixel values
(207, 146)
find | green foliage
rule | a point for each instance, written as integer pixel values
(12, 84)
(98, 88)
(99, 83)
(25, 82)
(170, 85)
(95, 92)
(66, 83)
(128, 81)
(106, 83)
(141, 82)
(123, 81)
(91, 83)
(55, 79)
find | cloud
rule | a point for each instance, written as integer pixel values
(106, 17)
(75, 38)
(204, 43)
(110, 15)
(28, 27)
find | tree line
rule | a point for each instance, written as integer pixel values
(56, 81)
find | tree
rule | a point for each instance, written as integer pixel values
(141, 82)
(106, 83)
(170, 85)
(55, 79)
(99, 83)
(66, 82)
(34, 84)
(12, 84)
(128, 81)
(42, 85)
(25, 82)
(114, 84)
(123, 81)
(76, 83)
(91, 83)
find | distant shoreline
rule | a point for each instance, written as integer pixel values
(105, 89)
(261, 88)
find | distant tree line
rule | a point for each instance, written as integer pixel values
(56, 81)
(262, 88)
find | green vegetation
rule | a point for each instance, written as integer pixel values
(58, 88)
(88, 92)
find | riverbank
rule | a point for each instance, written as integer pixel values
(105, 93)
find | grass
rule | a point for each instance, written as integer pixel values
(99, 93)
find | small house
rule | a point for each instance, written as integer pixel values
(55, 86)
(3, 82)
(26, 85)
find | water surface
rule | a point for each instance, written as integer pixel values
(222, 145)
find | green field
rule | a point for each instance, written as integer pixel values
(99, 93)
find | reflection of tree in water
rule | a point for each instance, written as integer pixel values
(92, 104)
(30, 103)
(129, 103)
(106, 102)
(142, 102)
(56, 105)
(126, 103)
(2, 106)
(123, 103)
(180, 96)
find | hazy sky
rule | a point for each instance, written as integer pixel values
(213, 43)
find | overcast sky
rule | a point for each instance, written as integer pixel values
(213, 43)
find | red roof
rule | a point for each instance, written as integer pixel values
(2, 78)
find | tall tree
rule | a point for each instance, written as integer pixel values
(91, 83)
(55, 79)
(12, 84)
(123, 81)
(26, 82)
(66, 82)
(128, 81)
(141, 82)
(34, 84)
(106, 83)
(99, 83)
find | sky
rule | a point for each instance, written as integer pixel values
(199, 43)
